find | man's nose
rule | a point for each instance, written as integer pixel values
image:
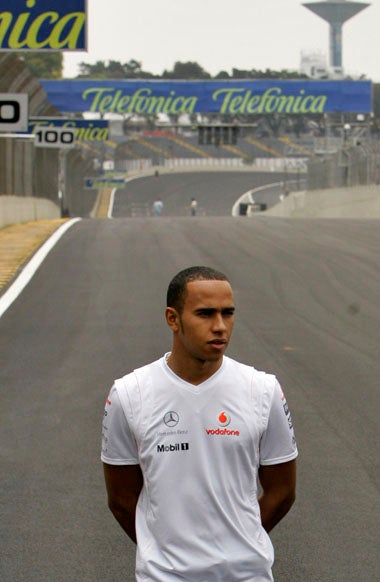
(218, 322)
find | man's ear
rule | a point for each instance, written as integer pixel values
(172, 318)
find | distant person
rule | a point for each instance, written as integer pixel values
(158, 206)
(185, 440)
(193, 207)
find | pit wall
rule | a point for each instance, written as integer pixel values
(15, 209)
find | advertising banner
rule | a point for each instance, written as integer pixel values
(43, 25)
(85, 130)
(91, 183)
(223, 97)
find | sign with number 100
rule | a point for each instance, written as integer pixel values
(13, 112)
(55, 137)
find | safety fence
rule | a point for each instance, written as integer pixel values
(28, 171)
(349, 166)
(35, 172)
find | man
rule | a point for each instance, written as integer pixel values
(158, 205)
(185, 440)
(193, 207)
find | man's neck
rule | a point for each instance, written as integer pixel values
(192, 370)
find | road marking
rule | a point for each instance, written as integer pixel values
(31, 267)
(112, 202)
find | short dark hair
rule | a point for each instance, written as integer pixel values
(176, 293)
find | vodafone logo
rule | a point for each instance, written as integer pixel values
(224, 419)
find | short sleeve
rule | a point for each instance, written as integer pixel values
(118, 443)
(278, 443)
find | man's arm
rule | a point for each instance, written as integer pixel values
(124, 484)
(279, 492)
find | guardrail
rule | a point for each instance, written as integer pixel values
(259, 164)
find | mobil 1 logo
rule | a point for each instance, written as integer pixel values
(13, 112)
(173, 447)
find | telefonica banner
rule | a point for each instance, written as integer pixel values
(43, 24)
(85, 130)
(223, 97)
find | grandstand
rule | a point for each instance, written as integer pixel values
(162, 144)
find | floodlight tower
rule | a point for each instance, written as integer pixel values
(336, 12)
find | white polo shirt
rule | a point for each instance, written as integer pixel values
(199, 448)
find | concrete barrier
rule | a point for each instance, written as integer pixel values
(16, 209)
(355, 202)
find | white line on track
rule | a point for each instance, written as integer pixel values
(27, 273)
(112, 200)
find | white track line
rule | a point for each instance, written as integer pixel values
(112, 200)
(27, 273)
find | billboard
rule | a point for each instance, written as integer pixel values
(240, 97)
(43, 25)
(96, 130)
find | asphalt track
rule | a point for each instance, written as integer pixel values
(215, 193)
(308, 309)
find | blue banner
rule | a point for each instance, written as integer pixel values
(96, 130)
(43, 25)
(92, 183)
(222, 97)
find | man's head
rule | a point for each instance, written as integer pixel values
(177, 290)
(200, 312)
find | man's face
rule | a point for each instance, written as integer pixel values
(207, 319)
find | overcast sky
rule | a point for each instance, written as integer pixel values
(222, 34)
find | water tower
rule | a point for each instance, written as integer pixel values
(336, 12)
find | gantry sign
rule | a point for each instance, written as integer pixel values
(43, 25)
(240, 97)
(223, 98)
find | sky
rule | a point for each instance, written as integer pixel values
(222, 34)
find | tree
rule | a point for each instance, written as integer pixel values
(222, 75)
(189, 70)
(113, 70)
(44, 65)
(96, 71)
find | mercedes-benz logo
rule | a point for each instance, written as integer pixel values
(171, 419)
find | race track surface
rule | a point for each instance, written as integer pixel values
(215, 193)
(308, 310)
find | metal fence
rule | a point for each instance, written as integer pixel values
(26, 170)
(351, 165)
(29, 171)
